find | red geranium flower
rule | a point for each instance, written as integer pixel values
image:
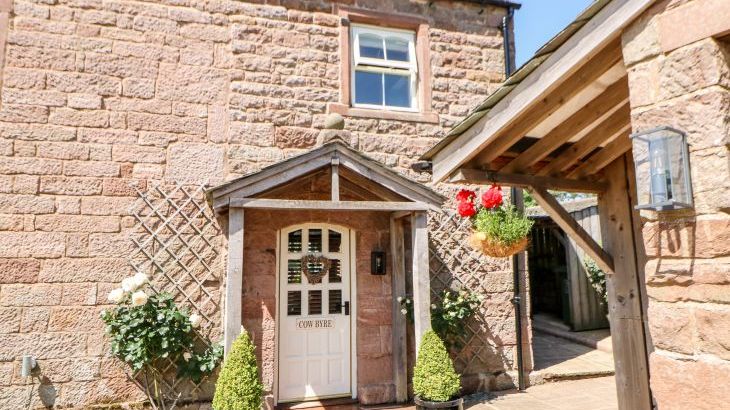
(492, 198)
(466, 195)
(466, 209)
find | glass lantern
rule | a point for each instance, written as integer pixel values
(661, 159)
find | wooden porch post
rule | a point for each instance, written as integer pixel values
(398, 282)
(234, 278)
(421, 276)
(624, 291)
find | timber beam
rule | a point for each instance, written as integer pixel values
(475, 176)
(565, 221)
(292, 204)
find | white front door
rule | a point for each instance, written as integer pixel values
(314, 322)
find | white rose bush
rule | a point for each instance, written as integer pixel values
(144, 329)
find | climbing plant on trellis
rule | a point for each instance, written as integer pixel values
(454, 264)
(177, 243)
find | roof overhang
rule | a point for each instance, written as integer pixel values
(565, 107)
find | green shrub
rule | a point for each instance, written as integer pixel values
(239, 386)
(434, 378)
(505, 224)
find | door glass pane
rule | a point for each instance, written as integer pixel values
(315, 240)
(371, 46)
(294, 303)
(315, 302)
(335, 301)
(335, 273)
(397, 90)
(295, 241)
(368, 88)
(335, 240)
(397, 49)
(294, 271)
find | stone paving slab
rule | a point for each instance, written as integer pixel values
(558, 359)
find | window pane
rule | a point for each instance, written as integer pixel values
(397, 90)
(335, 302)
(371, 46)
(335, 240)
(295, 241)
(294, 271)
(294, 303)
(315, 302)
(368, 88)
(335, 273)
(315, 240)
(397, 49)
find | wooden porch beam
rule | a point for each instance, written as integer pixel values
(600, 159)
(613, 97)
(421, 277)
(234, 279)
(327, 205)
(618, 123)
(475, 176)
(335, 184)
(398, 289)
(576, 232)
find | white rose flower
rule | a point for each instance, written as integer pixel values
(116, 295)
(400, 299)
(195, 320)
(404, 312)
(129, 284)
(140, 279)
(187, 356)
(433, 306)
(139, 298)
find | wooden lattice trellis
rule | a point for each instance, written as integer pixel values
(177, 242)
(454, 264)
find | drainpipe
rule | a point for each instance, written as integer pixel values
(516, 198)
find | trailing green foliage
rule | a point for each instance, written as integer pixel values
(434, 377)
(449, 317)
(596, 276)
(238, 386)
(505, 224)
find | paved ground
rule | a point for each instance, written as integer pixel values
(559, 359)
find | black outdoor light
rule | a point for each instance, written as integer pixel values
(661, 158)
(377, 263)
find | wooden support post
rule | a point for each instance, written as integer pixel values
(561, 217)
(421, 276)
(624, 291)
(398, 282)
(234, 278)
(335, 179)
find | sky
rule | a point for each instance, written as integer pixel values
(539, 20)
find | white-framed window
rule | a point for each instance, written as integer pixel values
(384, 68)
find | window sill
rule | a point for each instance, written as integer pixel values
(347, 111)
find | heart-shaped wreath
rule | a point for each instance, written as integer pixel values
(310, 263)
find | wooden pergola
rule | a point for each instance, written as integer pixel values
(562, 122)
(371, 187)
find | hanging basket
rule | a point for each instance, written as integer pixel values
(310, 261)
(497, 249)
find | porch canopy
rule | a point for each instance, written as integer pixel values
(562, 122)
(352, 182)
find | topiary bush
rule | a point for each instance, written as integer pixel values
(239, 386)
(434, 377)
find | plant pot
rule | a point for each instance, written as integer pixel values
(497, 249)
(457, 404)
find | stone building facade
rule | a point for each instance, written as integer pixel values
(682, 78)
(98, 96)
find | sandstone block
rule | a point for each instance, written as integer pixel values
(63, 150)
(88, 101)
(70, 186)
(76, 223)
(25, 204)
(24, 79)
(205, 32)
(681, 384)
(713, 333)
(137, 153)
(146, 23)
(192, 84)
(49, 59)
(79, 294)
(259, 134)
(138, 87)
(33, 97)
(671, 327)
(148, 171)
(35, 319)
(12, 222)
(292, 137)
(122, 187)
(24, 113)
(71, 117)
(196, 163)
(91, 168)
(107, 136)
(77, 245)
(166, 123)
(9, 320)
(37, 132)
(75, 319)
(110, 245)
(69, 270)
(119, 66)
(38, 294)
(43, 346)
(68, 205)
(693, 67)
(106, 205)
(31, 244)
(84, 83)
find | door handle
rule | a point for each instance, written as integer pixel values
(346, 305)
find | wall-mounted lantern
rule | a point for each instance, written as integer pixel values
(661, 159)
(377, 263)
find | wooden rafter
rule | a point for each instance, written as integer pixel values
(616, 123)
(612, 98)
(475, 176)
(603, 157)
(292, 204)
(546, 106)
(561, 217)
